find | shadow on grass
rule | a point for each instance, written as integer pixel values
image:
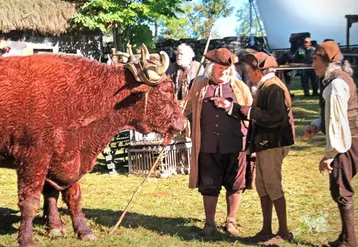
(101, 168)
(304, 144)
(178, 227)
(300, 242)
(7, 218)
(304, 148)
(183, 228)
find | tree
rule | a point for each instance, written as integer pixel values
(127, 19)
(208, 12)
(197, 20)
(163, 10)
(243, 18)
(177, 27)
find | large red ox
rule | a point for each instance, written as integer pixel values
(58, 112)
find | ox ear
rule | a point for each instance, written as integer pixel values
(142, 88)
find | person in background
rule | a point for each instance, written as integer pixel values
(339, 122)
(286, 75)
(218, 155)
(271, 133)
(304, 55)
(184, 70)
(240, 67)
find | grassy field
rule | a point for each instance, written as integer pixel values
(167, 213)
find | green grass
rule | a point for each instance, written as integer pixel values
(167, 213)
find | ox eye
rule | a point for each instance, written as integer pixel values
(167, 90)
(140, 95)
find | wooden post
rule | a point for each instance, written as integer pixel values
(348, 28)
(350, 20)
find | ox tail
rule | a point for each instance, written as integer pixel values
(56, 186)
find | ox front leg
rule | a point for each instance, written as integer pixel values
(51, 215)
(30, 183)
(72, 197)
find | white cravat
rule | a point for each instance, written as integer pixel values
(265, 78)
(261, 82)
(218, 91)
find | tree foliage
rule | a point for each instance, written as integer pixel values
(197, 20)
(208, 12)
(125, 18)
(104, 14)
(178, 27)
(243, 18)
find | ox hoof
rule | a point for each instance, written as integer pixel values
(89, 237)
(56, 232)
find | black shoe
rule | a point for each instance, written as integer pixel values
(210, 228)
(336, 242)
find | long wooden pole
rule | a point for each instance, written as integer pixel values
(138, 189)
(163, 150)
(201, 64)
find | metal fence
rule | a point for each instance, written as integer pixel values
(175, 160)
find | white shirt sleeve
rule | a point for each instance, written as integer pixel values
(248, 113)
(229, 112)
(338, 134)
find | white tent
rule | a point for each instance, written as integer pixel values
(321, 18)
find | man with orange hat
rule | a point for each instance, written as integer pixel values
(339, 121)
(271, 134)
(218, 155)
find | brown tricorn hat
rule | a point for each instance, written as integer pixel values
(221, 56)
(331, 49)
(260, 60)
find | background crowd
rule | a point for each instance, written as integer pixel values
(241, 111)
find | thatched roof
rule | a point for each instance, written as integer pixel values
(43, 16)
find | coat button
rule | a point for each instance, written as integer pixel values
(216, 125)
(217, 115)
(217, 133)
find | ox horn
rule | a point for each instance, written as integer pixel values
(129, 49)
(144, 52)
(132, 58)
(152, 75)
(164, 64)
(148, 71)
(156, 73)
(146, 76)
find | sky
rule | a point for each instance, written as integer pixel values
(294, 17)
(226, 26)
